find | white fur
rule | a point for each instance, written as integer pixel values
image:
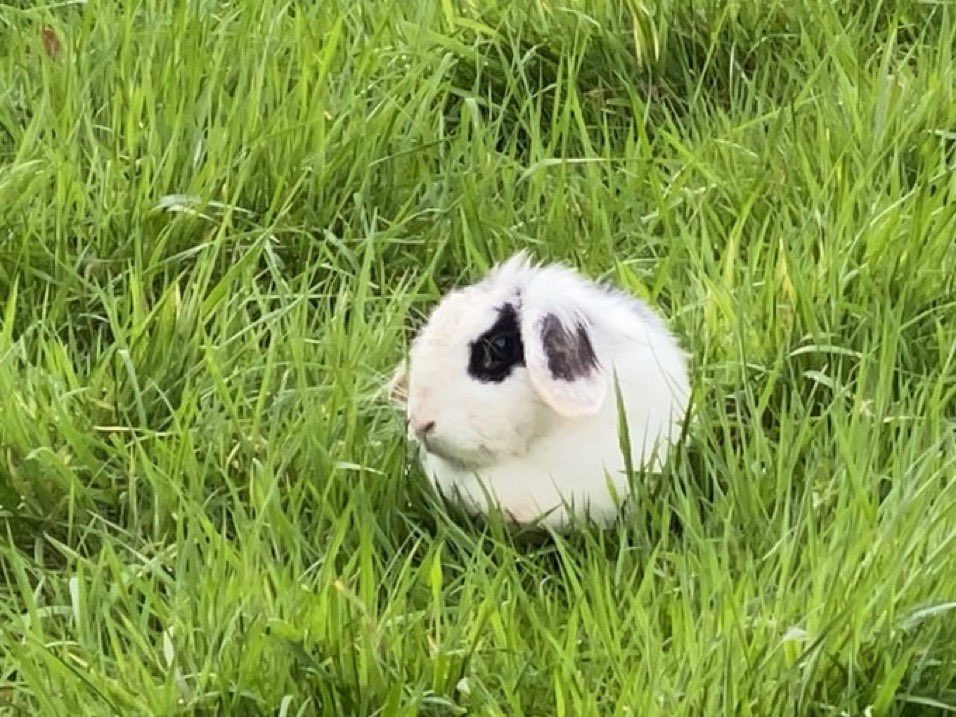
(536, 447)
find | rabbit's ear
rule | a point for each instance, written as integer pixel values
(398, 385)
(561, 362)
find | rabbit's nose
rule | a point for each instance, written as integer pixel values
(422, 428)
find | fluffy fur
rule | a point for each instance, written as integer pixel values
(544, 442)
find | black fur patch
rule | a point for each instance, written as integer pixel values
(497, 351)
(570, 355)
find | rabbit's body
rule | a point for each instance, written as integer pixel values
(511, 394)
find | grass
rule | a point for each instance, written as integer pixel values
(219, 222)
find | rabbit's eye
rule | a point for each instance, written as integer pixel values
(499, 351)
(495, 352)
(502, 344)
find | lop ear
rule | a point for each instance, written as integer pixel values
(561, 363)
(398, 385)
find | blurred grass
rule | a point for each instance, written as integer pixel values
(219, 222)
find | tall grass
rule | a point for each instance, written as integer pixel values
(219, 222)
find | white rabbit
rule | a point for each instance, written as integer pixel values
(509, 390)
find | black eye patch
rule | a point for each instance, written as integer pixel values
(497, 351)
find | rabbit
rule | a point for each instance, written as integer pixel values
(511, 390)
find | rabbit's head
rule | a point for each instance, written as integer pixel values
(499, 362)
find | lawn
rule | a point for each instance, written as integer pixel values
(219, 225)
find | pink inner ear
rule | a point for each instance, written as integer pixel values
(583, 396)
(577, 384)
(398, 386)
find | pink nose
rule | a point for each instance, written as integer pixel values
(422, 427)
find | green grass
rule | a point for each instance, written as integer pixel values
(219, 223)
